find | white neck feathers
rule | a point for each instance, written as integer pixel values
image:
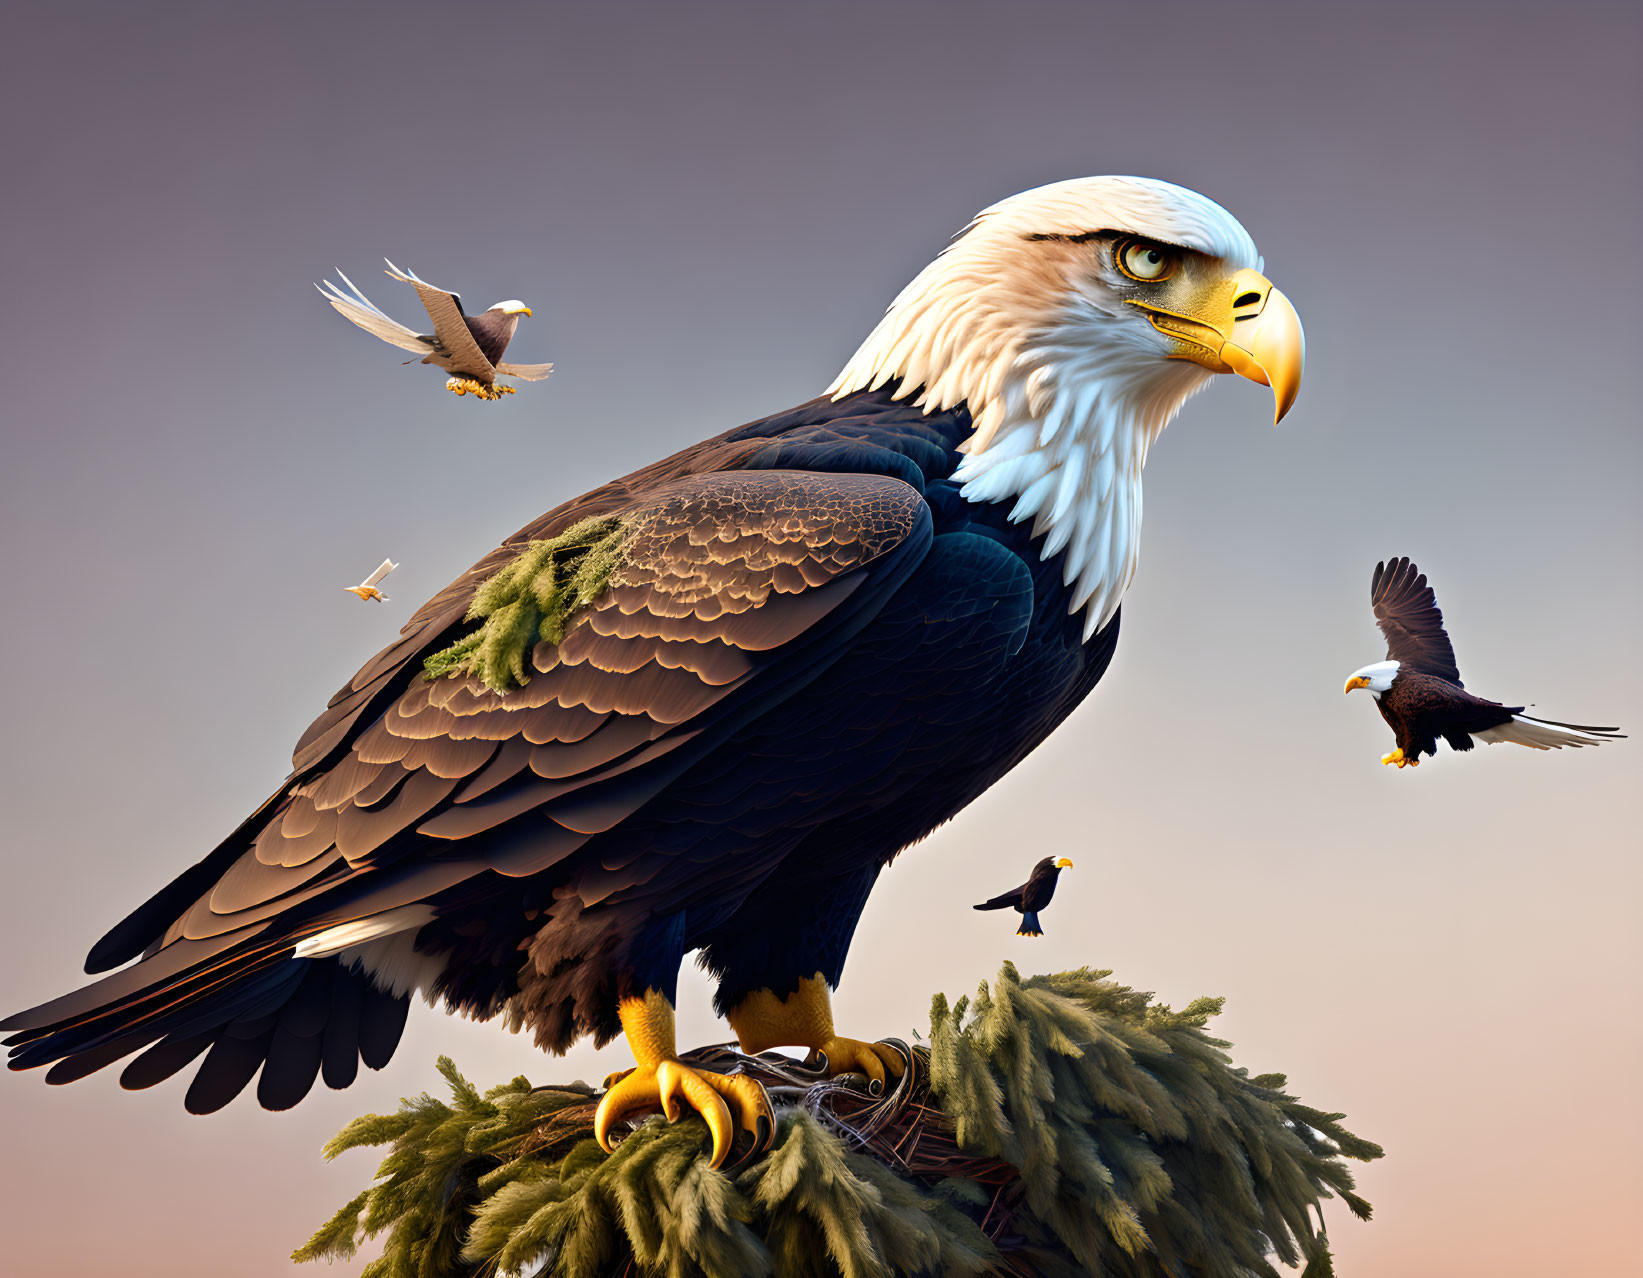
(1065, 385)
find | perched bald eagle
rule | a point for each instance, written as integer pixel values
(470, 347)
(702, 707)
(1418, 690)
(1032, 896)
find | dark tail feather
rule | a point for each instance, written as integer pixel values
(197, 1000)
(1029, 924)
(261, 1010)
(232, 1062)
(294, 1053)
(381, 1022)
(163, 1060)
(339, 1054)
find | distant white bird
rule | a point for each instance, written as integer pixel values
(469, 347)
(367, 589)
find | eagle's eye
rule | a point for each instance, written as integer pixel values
(1145, 261)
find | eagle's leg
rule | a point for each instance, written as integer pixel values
(1401, 759)
(805, 1019)
(659, 1081)
(473, 386)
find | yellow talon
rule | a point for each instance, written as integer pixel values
(804, 1018)
(725, 1102)
(1395, 757)
(471, 386)
(853, 1056)
(478, 389)
(660, 1081)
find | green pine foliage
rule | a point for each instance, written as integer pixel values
(1056, 1125)
(1142, 1150)
(530, 599)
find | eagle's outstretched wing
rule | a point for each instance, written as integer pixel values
(1407, 612)
(450, 327)
(728, 593)
(355, 306)
(525, 372)
(381, 571)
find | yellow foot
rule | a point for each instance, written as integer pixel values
(804, 1018)
(727, 1102)
(472, 386)
(1400, 759)
(879, 1061)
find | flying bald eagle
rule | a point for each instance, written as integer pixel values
(1032, 896)
(1418, 690)
(702, 707)
(469, 347)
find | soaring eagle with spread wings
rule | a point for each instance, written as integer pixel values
(469, 347)
(1418, 690)
(703, 707)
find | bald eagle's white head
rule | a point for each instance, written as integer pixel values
(1073, 321)
(513, 306)
(1377, 678)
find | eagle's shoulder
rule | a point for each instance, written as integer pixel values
(869, 433)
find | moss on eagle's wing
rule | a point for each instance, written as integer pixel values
(530, 599)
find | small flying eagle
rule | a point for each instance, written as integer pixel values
(1032, 896)
(1418, 690)
(367, 589)
(467, 346)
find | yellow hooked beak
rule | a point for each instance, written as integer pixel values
(1356, 682)
(1234, 324)
(1064, 864)
(524, 310)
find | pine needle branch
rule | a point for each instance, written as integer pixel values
(1055, 1125)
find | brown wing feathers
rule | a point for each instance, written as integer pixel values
(1406, 609)
(720, 571)
(450, 326)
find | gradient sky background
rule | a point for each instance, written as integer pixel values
(708, 207)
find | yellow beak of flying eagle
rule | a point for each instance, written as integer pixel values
(1356, 682)
(1233, 324)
